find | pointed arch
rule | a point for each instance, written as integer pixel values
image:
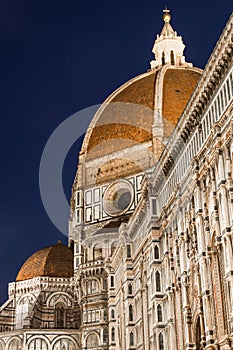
(59, 297)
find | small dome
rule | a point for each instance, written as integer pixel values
(53, 261)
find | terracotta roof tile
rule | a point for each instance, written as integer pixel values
(53, 261)
(178, 86)
(120, 124)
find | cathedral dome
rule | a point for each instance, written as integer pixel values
(52, 261)
(131, 128)
(146, 109)
(127, 115)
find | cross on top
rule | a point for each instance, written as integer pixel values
(166, 16)
(166, 10)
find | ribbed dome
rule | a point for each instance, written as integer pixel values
(127, 116)
(53, 261)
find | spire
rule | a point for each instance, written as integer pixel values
(168, 47)
(167, 29)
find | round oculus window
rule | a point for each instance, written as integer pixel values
(118, 197)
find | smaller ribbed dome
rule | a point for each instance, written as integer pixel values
(53, 261)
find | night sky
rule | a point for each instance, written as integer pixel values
(58, 57)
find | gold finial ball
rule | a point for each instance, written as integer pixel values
(166, 16)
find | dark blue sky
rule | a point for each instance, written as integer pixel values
(58, 57)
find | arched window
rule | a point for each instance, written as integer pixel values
(112, 313)
(130, 313)
(130, 289)
(172, 58)
(15, 344)
(156, 252)
(159, 313)
(128, 251)
(38, 344)
(65, 344)
(60, 316)
(158, 281)
(92, 341)
(161, 344)
(163, 59)
(131, 339)
(113, 334)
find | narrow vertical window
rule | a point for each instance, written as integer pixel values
(60, 317)
(161, 345)
(130, 313)
(131, 339)
(105, 337)
(154, 207)
(172, 58)
(113, 334)
(112, 313)
(128, 251)
(163, 59)
(158, 281)
(78, 199)
(159, 313)
(156, 252)
(198, 335)
(105, 283)
(105, 315)
(112, 281)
